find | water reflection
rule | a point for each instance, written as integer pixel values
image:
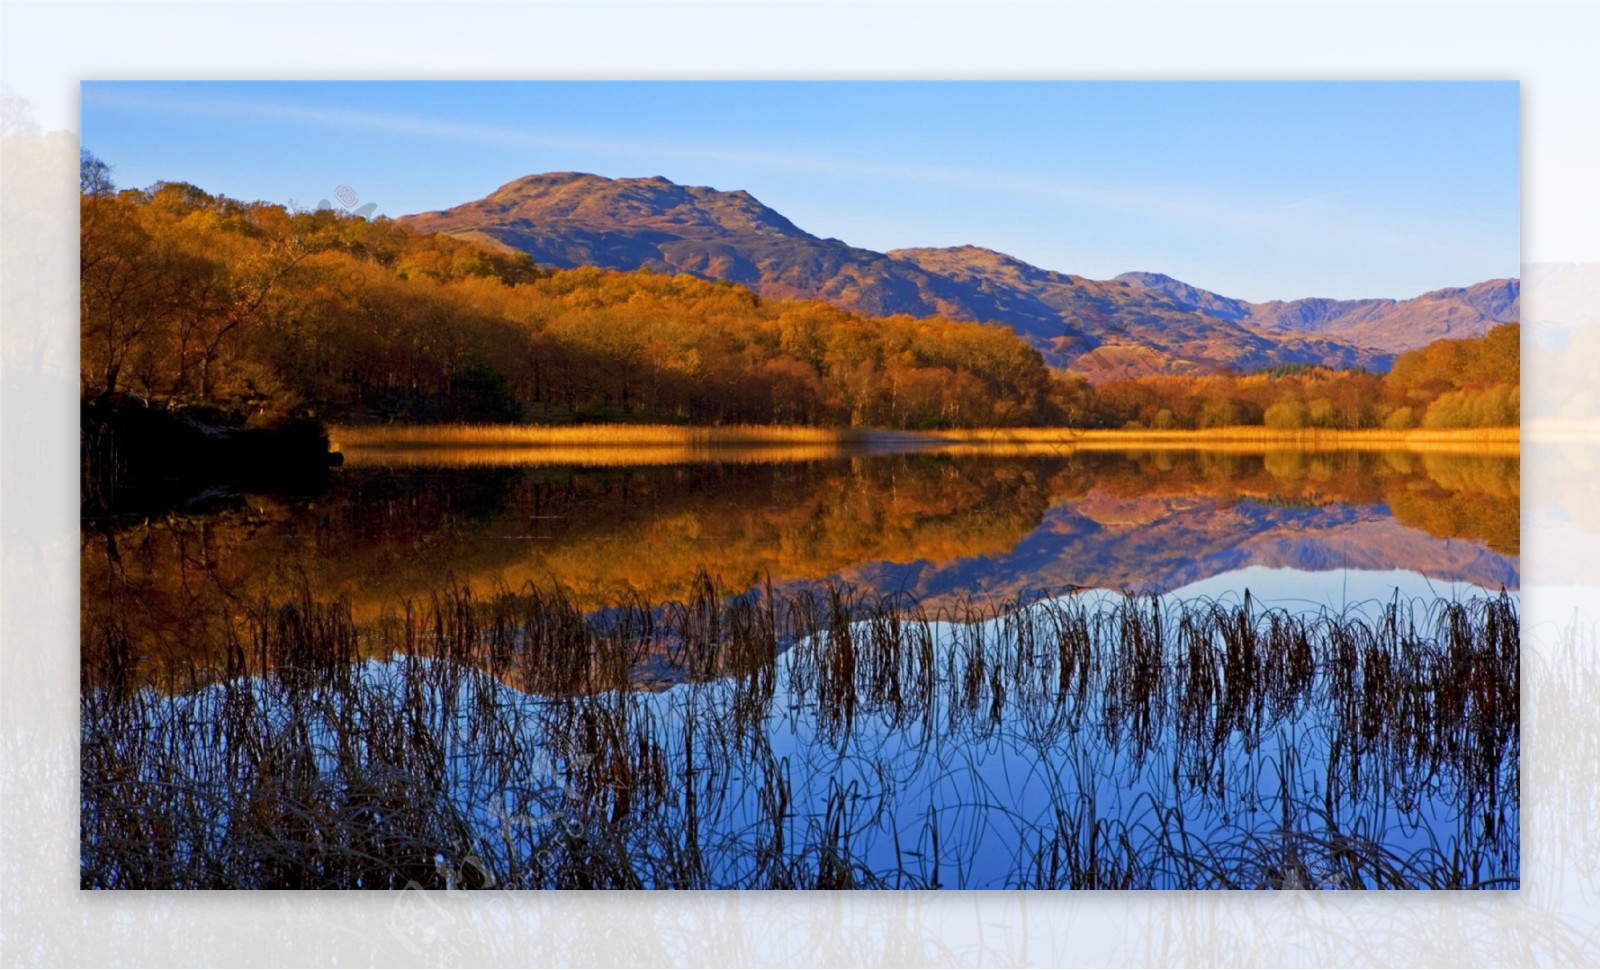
(834, 742)
(937, 526)
(318, 662)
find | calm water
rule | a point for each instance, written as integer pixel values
(987, 769)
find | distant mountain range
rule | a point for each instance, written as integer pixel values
(1137, 323)
(1161, 543)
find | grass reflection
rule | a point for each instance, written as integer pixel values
(827, 738)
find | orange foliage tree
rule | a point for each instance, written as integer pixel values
(190, 298)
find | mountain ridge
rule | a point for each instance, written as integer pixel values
(1133, 324)
(1368, 321)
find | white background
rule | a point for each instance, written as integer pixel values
(46, 49)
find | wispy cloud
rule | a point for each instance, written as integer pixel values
(423, 127)
(1332, 214)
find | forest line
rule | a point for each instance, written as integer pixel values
(191, 300)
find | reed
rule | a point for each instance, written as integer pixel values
(1474, 440)
(817, 738)
(587, 435)
(622, 444)
(616, 454)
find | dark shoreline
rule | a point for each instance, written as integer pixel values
(136, 457)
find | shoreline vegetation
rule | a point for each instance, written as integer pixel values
(221, 341)
(221, 338)
(135, 456)
(193, 300)
(580, 439)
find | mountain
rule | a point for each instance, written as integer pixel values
(1161, 543)
(1393, 326)
(1137, 323)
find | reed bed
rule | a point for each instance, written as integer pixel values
(587, 435)
(1249, 438)
(818, 738)
(617, 455)
(621, 444)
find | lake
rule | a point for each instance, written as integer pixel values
(814, 666)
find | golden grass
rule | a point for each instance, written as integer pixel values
(623, 444)
(608, 455)
(1241, 433)
(1485, 441)
(587, 435)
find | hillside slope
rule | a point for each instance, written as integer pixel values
(1137, 323)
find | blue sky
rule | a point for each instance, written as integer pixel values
(1255, 190)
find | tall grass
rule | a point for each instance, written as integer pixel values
(676, 444)
(614, 454)
(1467, 439)
(819, 738)
(588, 435)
